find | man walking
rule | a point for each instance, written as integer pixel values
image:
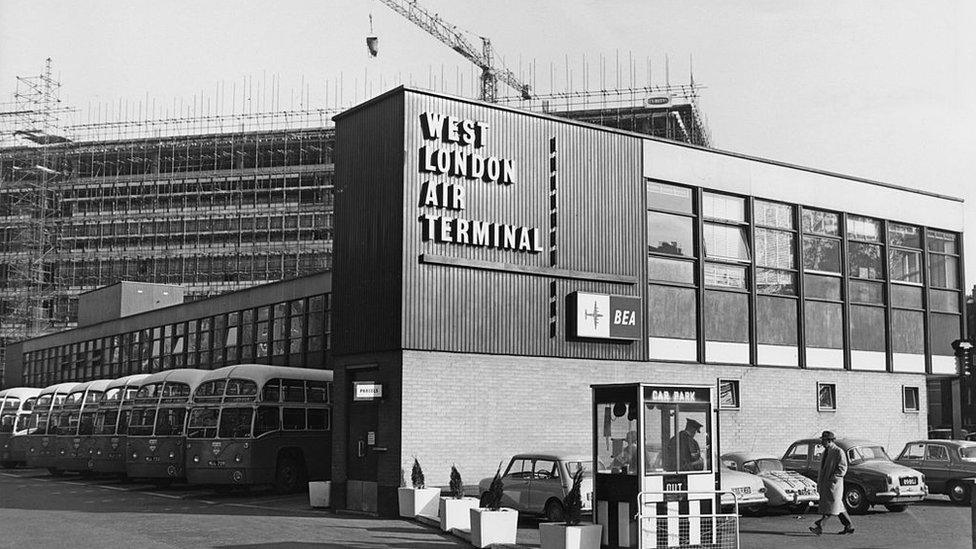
(830, 484)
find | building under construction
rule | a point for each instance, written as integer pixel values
(215, 205)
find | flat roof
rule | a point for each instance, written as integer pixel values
(403, 89)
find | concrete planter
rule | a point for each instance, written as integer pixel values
(556, 535)
(418, 501)
(456, 513)
(320, 493)
(488, 527)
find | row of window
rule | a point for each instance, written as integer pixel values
(259, 199)
(292, 331)
(831, 279)
(202, 185)
(179, 225)
(729, 396)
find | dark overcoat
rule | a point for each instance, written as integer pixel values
(830, 480)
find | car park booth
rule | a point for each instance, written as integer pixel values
(652, 444)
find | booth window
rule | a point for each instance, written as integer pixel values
(728, 394)
(677, 438)
(618, 451)
(826, 397)
(910, 399)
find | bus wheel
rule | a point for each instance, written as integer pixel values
(9, 464)
(55, 472)
(287, 476)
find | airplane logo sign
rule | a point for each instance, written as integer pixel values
(603, 316)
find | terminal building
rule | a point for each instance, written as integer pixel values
(491, 264)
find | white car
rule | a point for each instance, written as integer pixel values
(748, 490)
(537, 483)
(783, 488)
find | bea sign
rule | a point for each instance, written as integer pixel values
(604, 316)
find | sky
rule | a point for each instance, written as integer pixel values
(883, 89)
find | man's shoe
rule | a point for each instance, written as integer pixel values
(817, 529)
(846, 530)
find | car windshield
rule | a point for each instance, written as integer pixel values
(757, 466)
(867, 453)
(573, 466)
(968, 453)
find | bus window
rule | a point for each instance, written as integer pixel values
(202, 423)
(169, 421)
(241, 387)
(266, 421)
(7, 423)
(141, 421)
(294, 390)
(293, 419)
(87, 425)
(176, 390)
(317, 391)
(235, 422)
(11, 404)
(318, 419)
(272, 391)
(123, 426)
(212, 388)
(23, 422)
(29, 404)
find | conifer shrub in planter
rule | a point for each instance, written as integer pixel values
(571, 534)
(418, 500)
(455, 510)
(491, 523)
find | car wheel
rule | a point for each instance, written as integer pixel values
(958, 493)
(287, 476)
(554, 511)
(854, 500)
(896, 507)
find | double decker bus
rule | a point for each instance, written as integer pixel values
(15, 407)
(254, 424)
(107, 441)
(156, 440)
(76, 423)
(42, 427)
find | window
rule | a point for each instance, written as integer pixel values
(293, 419)
(826, 397)
(776, 322)
(672, 312)
(821, 254)
(799, 452)
(669, 234)
(905, 266)
(907, 335)
(726, 317)
(726, 242)
(545, 470)
(318, 419)
(266, 420)
(235, 422)
(294, 390)
(271, 391)
(725, 276)
(936, 452)
(913, 451)
(909, 399)
(818, 222)
(773, 214)
(670, 270)
(864, 260)
(661, 196)
(863, 228)
(519, 469)
(727, 208)
(317, 391)
(824, 327)
(774, 249)
(904, 235)
(728, 394)
(867, 328)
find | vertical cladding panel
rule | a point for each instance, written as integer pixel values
(368, 227)
(600, 194)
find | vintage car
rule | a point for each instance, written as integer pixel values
(784, 488)
(872, 478)
(746, 489)
(537, 483)
(946, 465)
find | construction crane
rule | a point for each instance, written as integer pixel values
(450, 35)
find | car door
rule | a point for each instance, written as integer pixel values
(914, 456)
(797, 458)
(546, 483)
(516, 481)
(936, 466)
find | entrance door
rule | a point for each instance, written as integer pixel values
(362, 424)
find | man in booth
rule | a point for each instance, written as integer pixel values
(685, 449)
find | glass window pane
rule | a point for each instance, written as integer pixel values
(823, 287)
(671, 270)
(818, 222)
(725, 276)
(774, 249)
(727, 317)
(941, 300)
(776, 321)
(235, 422)
(863, 228)
(824, 325)
(906, 296)
(905, 266)
(866, 292)
(769, 281)
(773, 214)
(661, 196)
(864, 260)
(942, 242)
(293, 419)
(904, 235)
(669, 234)
(943, 330)
(821, 254)
(906, 332)
(943, 271)
(717, 206)
(726, 242)
(867, 328)
(672, 312)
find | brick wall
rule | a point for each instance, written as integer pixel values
(477, 410)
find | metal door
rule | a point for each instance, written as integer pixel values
(362, 422)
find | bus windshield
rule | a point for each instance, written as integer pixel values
(141, 421)
(235, 422)
(7, 423)
(203, 423)
(169, 421)
(105, 422)
(24, 422)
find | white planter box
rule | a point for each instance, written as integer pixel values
(489, 527)
(456, 513)
(320, 493)
(418, 501)
(556, 535)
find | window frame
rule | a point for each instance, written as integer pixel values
(905, 389)
(833, 393)
(736, 392)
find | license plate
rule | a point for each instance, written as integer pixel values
(217, 463)
(743, 490)
(909, 481)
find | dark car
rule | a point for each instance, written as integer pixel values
(872, 478)
(946, 465)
